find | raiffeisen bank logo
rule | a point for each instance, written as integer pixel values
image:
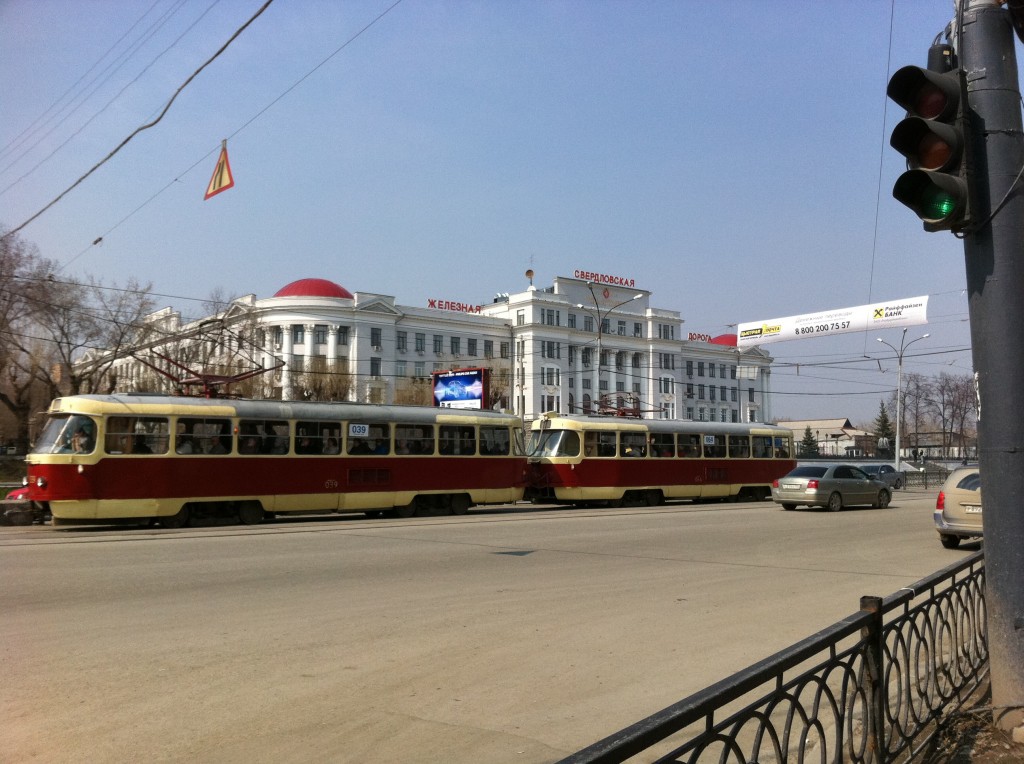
(891, 312)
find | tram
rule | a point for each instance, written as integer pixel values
(602, 460)
(177, 460)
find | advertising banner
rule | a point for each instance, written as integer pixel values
(881, 315)
(460, 389)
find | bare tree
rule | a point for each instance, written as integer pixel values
(324, 381)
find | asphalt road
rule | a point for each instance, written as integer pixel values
(517, 635)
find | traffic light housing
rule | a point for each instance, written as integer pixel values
(933, 138)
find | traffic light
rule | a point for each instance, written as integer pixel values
(933, 138)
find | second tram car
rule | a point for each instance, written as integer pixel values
(585, 460)
(175, 460)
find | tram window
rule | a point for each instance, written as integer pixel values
(714, 446)
(196, 435)
(761, 446)
(136, 435)
(262, 436)
(414, 439)
(783, 448)
(558, 443)
(689, 446)
(739, 447)
(369, 439)
(633, 444)
(67, 435)
(317, 437)
(662, 444)
(599, 444)
(497, 441)
(457, 440)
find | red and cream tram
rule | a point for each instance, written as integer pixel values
(578, 459)
(103, 458)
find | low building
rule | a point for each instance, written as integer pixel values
(588, 343)
(835, 437)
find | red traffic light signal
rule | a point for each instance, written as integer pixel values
(933, 139)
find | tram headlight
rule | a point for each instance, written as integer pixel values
(40, 482)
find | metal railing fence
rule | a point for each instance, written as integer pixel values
(869, 688)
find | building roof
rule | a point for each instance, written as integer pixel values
(313, 288)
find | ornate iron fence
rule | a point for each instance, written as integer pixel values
(869, 688)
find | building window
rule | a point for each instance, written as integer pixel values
(278, 335)
(711, 370)
(588, 323)
(700, 393)
(571, 318)
(419, 369)
(375, 335)
(342, 335)
(438, 343)
(668, 385)
(504, 350)
(552, 317)
(520, 317)
(471, 347)
(689, 413)
(689, 368)
(721, 370)
(551, 376)
(723, 393)
(606, 326)
(488, 348)
(638, 329)
(298, 334)
(421, 342)
(621, 328)
(400, 369)
(732, 372)
(374, 367)
(402, 341)
(456, 345)
(711, 392)
(750, 394)
(320, 334)
(700, 368)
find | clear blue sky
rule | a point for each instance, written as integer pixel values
(731, 157)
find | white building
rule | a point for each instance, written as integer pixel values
(542, 345)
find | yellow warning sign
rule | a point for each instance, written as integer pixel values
(222, 178)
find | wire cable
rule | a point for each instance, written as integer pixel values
(148, 125)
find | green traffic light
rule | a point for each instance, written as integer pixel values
(937, 204)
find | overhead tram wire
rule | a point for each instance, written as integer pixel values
(202, 159)
(148, 125)
(106, 106)
(17, 140)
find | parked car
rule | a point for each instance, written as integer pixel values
(832, 486)
(958, 507)
(887, 474)
(18, 494)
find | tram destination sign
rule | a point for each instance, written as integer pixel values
(881, 315)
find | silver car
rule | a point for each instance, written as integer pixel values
(832, 486)
(958, 507)
(887, 474)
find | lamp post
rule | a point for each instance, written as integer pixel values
(601, 316)
(899, 385)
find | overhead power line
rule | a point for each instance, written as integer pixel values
(148, 125)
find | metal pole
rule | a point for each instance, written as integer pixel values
(994, 255)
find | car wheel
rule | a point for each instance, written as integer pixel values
(950, 542)
(787, 505)
(883, 499)
(835, 502)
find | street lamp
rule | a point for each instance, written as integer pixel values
(601, 316)
(899, 385)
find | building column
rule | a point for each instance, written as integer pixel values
(286, 354)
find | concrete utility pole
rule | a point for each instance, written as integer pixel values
(994, 254)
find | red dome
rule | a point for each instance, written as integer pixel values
(314, 288)
(724, 339)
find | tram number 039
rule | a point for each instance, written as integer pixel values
(833, 327)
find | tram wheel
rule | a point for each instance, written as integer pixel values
(250, 513)
(460, 505)
(178, 520)
(406, 510)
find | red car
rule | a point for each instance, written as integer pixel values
(18, 494)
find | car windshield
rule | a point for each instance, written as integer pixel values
(811, 471)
